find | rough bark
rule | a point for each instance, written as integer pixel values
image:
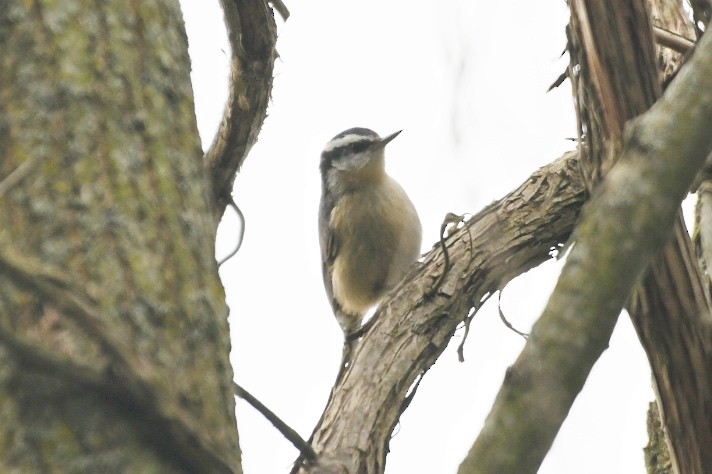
(113, 328)
(625, 224)
(351, 437)
(613, 48)
(414, 326)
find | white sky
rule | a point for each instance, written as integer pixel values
(467, 84)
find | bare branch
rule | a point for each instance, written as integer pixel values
(241, 235)
(252, 35)
(292, 436)
(505, 321)
(673, 41)
(411, 330)
(619, 77)
(626, 223)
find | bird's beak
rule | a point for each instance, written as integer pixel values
(385, 140)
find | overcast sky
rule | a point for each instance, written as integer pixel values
(466, 81)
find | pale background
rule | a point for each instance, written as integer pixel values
(467, 84)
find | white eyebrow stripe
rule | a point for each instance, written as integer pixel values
(347, 140)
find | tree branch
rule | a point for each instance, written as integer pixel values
(626, 223)
(287, 431)
(673, 41)
(619, 79)
(411, 329)
(252, 35)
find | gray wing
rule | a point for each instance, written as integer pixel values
(329, 250)
(330, 245)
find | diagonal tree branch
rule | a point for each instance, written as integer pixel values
(620, 79)
(622, 228)
(288, 432)
(252, 35)
(412, 329)
(673, 41)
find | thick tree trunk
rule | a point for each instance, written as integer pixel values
(113, 326)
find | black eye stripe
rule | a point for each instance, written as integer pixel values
(346, 150)
(358, 147)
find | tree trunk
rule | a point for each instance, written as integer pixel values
(113, 323)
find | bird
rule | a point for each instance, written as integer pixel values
(369, 230)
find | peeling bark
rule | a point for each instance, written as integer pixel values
(625, 224)
(412, 328)
(670, 308)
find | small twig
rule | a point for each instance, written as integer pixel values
(468, 320)
(450, 218)
(345, 358)
(461, 347)
(241, 216)
(672, 40)
(504, 319)
(292, 436)
(281, 8)
(559, 80)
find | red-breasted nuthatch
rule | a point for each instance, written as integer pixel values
(369, 231)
